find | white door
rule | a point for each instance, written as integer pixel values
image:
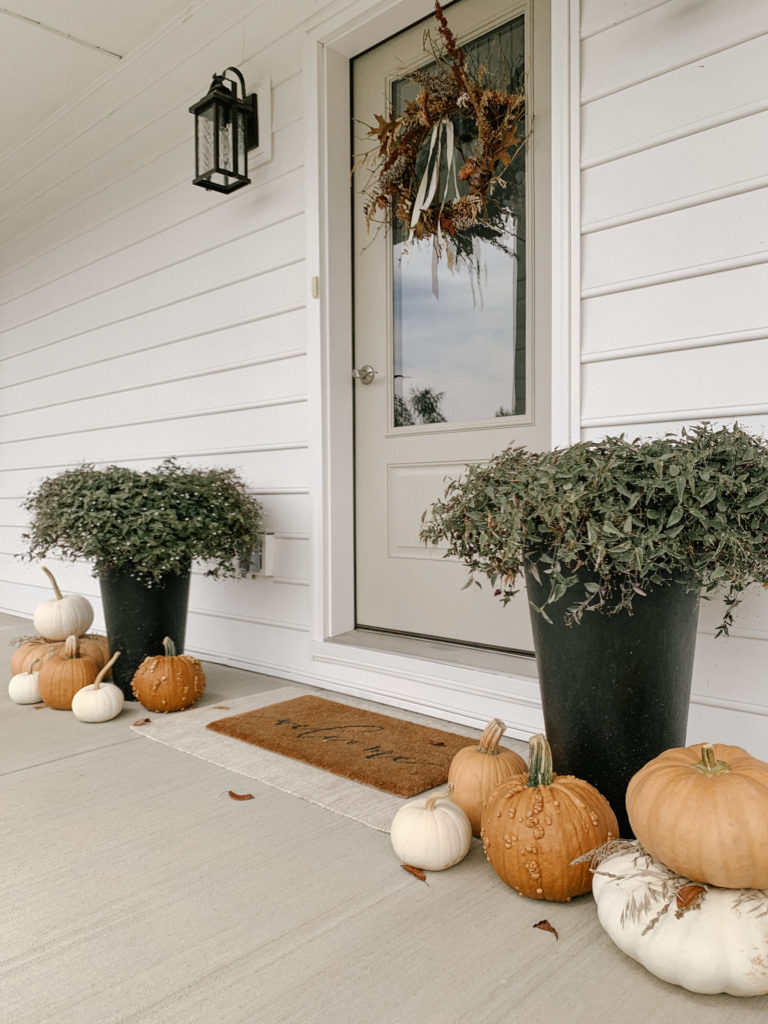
(460, 356)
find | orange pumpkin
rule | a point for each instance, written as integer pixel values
(703, 812)
(170, 681)
(535, 826)
(30, 650)
(63, 673)
(476, 770)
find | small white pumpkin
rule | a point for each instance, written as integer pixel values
(704, 938)
(432, 833)
(23, 688)
(62, 616)
(99, 701)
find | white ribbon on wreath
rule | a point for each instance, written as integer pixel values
(428, 186)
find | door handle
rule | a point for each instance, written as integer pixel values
(365, 374)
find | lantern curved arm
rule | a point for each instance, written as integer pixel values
(239, 74)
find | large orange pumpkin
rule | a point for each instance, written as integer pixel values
(170, 681)
(63, 673)
(703, 811)
(477, 769)
(535, 826)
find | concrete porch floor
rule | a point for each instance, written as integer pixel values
(135, 891)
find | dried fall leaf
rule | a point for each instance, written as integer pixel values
(416, 872)
(689, 896)
(142, 721)
(39, 707)
(221, 707)
(241, 796)
(546, 927)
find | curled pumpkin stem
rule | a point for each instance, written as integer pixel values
(489, 741)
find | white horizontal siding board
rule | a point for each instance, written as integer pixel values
(708, 165)
(271, 293)
(654, 426)
(256, 343)
(599, 15)
(95, 263)
(718, 88)
(697, 239)
(664, 37)
(272, 382)
(99, 222)
(270, 426)
(206, 272)
(716, 378)
(717, 306)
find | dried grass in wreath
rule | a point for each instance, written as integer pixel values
(403, 189)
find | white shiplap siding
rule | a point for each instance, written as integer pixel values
(144, 318)
(674, 265)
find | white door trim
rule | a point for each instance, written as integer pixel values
(339, 34)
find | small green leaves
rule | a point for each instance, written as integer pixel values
(633, 513)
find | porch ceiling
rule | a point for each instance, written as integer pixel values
(52, 52)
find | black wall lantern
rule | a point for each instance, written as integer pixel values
(226, 127)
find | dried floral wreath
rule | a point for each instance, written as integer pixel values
(408, 188)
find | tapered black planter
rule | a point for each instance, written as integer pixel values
(615, 689)
(138, 618)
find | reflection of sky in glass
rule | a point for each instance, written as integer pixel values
(468, 342)
(461, 343)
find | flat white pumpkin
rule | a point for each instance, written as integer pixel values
(62, 616)
(99, 701)
(703, 938)
(432, 833)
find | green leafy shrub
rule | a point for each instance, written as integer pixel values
(634, 514)
(147, 524)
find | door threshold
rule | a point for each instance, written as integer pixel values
(484, 659)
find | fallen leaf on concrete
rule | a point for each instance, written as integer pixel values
(142, 721)
(221, 707)
(39, 707)
(416, 872)
(241, 796)
(546, 927)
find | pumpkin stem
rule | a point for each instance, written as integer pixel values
(430, 802)
(97, 681)
(539, 762)
(32, 664)
(489, 741)
(709, 764)
(169, 647)
(54, 584)
(71, 647)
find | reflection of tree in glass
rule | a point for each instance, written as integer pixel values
(422, 406)
(501, 411)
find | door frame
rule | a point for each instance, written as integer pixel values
(340, 33)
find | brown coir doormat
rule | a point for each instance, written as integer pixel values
(387, 753)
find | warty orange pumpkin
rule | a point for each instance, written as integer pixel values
(535, 826)
(169, 681)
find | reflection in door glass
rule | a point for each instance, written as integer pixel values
(460, 332)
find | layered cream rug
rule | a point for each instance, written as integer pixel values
(188, 731)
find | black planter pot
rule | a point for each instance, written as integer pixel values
(615, 689)
(138, 618)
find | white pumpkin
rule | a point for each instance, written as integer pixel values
(701, 937)
(23, 688)
(99, 701)
(62, 616)
(432, 833)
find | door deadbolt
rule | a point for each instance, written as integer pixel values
(365, 374)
